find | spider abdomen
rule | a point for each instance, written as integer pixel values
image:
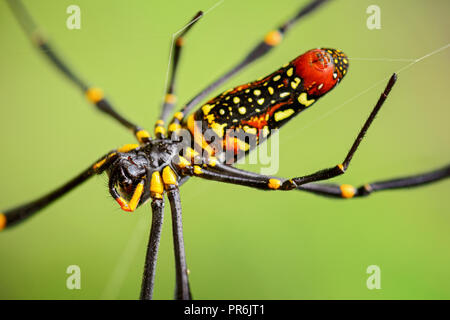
(244, 116)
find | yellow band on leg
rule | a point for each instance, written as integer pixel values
(170, 98)
(136, 196)
(274, 184)
(273, 38)
(128, 147)
(160, 130)
(212, 161)
(198, 170)
(179, 115)
(191, 153)
(99, 164)
(182, 162)
(180, 42)
(156, 185)
(94, 95)
(347, 191)
(2, 221)
(142, 135)
(169, 177)
(174, 127)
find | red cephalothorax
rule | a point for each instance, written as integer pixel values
(321, 70)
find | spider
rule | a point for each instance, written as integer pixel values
(191, 143)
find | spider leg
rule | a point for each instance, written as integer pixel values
(212, 170)
(182, 291)
(341, 168)
(347, 191)
(148, 278)
(93, 94)
(170, 98)
(228, 174)
(18, 214)
(171, 181)
(271, 40)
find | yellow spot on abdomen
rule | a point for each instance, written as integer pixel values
(290, 72)
(303, 99)
(244, 146)
(207, 108)
(295, 83)
(281, 115)
(218, 128)
(211, 117)
(191, 123)
(250, 130)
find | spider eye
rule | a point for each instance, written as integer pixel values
(133, 170)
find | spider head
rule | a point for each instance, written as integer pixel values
(128, 173)
(126, 179)
(321, 70)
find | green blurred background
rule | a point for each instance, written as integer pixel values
(241, 243)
